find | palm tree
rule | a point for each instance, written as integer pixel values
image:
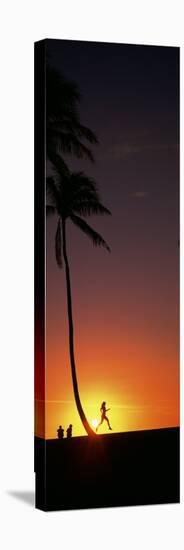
(71, 196)
(65, 134)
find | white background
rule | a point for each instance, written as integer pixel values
(151, 527)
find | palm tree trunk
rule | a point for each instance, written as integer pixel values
(71, 338)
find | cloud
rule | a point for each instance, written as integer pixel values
(123, 150)
(139, 194)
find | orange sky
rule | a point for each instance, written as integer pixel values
(136, 378)
(126, 353)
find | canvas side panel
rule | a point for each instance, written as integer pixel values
(39, 270)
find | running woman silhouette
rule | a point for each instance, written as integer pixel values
(103, 411)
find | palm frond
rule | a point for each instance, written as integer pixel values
(52, 192)
(82, 188)
(62, 95)
(58, 245)
(89, 207)
(86, 133)
(89, 231)
(71, 125)
(59, 165)
(69, 143)
(82, 195)
(75, 189)
(81, 181)
(65, 133)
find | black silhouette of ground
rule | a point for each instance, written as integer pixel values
(120, 469)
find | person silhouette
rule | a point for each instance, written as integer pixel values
(69, 431)
(103, 411)
(60, 432)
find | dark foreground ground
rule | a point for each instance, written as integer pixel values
(119, 469)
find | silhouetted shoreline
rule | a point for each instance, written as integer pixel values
(116, 469)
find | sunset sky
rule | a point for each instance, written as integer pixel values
(126, 303)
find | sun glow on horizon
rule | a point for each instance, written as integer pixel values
(127, 413)
(94, 423)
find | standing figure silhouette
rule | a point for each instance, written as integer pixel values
(103, 411)
(69, 431)
(60, 432)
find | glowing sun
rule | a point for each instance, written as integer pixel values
(94, 422)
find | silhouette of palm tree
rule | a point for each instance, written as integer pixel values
(65, 133)
(70, 196)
